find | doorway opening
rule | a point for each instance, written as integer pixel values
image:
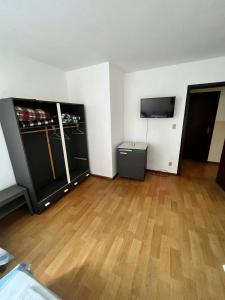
(203, 128)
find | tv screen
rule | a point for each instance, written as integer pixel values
(162, 107)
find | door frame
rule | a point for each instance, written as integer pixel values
(184, 128)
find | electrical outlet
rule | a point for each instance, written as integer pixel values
(170, 163)
(174, 126)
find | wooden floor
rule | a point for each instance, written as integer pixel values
(163, 238)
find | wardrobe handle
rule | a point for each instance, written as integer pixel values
(66, 190)
(75, 183)
(124, 153)
(47, 204)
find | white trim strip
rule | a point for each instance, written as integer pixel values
(56, 191)
(75, 178)
(63, 142)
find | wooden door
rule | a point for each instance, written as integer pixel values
(200, 124)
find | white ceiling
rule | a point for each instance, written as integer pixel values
(134, 34)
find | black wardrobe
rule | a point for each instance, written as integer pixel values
(51, 157)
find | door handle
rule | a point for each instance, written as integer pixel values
(208, 130)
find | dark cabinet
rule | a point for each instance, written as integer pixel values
(49, 156)
(131, 160)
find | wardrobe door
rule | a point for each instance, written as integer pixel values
(43, 147)
(74, 128)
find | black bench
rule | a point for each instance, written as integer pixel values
(12, 198)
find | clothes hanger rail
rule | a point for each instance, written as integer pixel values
(43, 130)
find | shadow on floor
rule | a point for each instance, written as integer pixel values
(80, 283)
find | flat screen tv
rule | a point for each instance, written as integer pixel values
(162, 107)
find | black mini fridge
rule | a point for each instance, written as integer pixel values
(131, 160)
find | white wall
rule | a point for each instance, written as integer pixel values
(218, 136)
(23, 77)
(220, 116)
(164, 142)
(90, 86)
(7, 177)
(101, 89)
(117, 111)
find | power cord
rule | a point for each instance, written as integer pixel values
(146, 135)
(160, 172)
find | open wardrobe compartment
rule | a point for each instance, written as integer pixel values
(47, 144)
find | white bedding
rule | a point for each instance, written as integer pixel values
(23, 287)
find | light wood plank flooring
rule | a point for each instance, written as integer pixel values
(163, 238)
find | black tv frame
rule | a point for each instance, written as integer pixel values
(158, 115)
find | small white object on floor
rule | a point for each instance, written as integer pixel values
(5, 257)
